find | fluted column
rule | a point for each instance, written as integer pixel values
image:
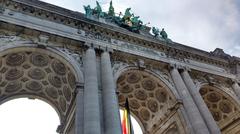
(195, 118)
(202, 107)
(91, 99)
(236, 89)
(110, 103)
(79, 109)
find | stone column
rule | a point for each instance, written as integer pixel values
(111, 116)
(195, 118)
(202, 107)
(91, 99)
(79, 109)
(236, 89)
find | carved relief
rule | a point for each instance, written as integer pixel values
(37, 74)
(34, 86)
(148, 84)
(52, 92)
(134, 104)
(213, 97)
(148, 96)
(161, 96)
(62, 104)
(39, 60)
(15, 59)
(225, 107)
(59, 67)
(14, 74)
(13, 86)
(140, 94)
(145, 114)
(220, 105)
(67, 93)
(152, 105)
(126, 89)
(55, 80)
(133, 78)
(71, 80)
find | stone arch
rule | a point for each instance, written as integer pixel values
(223, 106)
(47, 74)
(150, 100)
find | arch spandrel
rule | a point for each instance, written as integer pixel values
(38, 73)
(224, 108)
(150, 100)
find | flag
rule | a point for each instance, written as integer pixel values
(126, 120)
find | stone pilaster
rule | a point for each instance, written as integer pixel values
(110, 103)
(91, 99)
(192, 111)
(202, 107)
(79, 109)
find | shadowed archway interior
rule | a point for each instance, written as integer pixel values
(39, 74)
(151, 101)
(224, 109)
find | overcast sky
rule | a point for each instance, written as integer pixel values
(203, 24)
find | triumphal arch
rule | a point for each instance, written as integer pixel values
(85, 65)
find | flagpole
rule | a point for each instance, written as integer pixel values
(129, 117)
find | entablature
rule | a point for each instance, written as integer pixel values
(68, 26)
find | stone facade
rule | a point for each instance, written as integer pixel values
(86, 68)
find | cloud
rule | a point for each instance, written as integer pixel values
(201, 24)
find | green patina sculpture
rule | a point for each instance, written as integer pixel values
(128, 21)
(155, 31)
(111, 10)
(98, 10)
(163, 34)
(88, 10)
(127, 14)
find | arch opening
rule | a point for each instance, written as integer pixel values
(38, 73)
(28, 116)
(151, 100)
(223, 108)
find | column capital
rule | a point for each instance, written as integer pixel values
(178, 67)
(185, 69)
(91, 45)
(106, 49)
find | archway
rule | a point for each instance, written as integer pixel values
(39, 73)
(223, 107)
(151, 101)
(25, 116)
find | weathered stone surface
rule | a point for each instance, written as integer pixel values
(36, 73)
(15, 59)
(38, 59)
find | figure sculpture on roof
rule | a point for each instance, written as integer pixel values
(111, 10)
(155, 31)
(98, 10)
(163, 34)
(136, 24)
(127, 14)
(128, 21)
(88, 10)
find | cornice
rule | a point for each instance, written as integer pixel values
(77, 20)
